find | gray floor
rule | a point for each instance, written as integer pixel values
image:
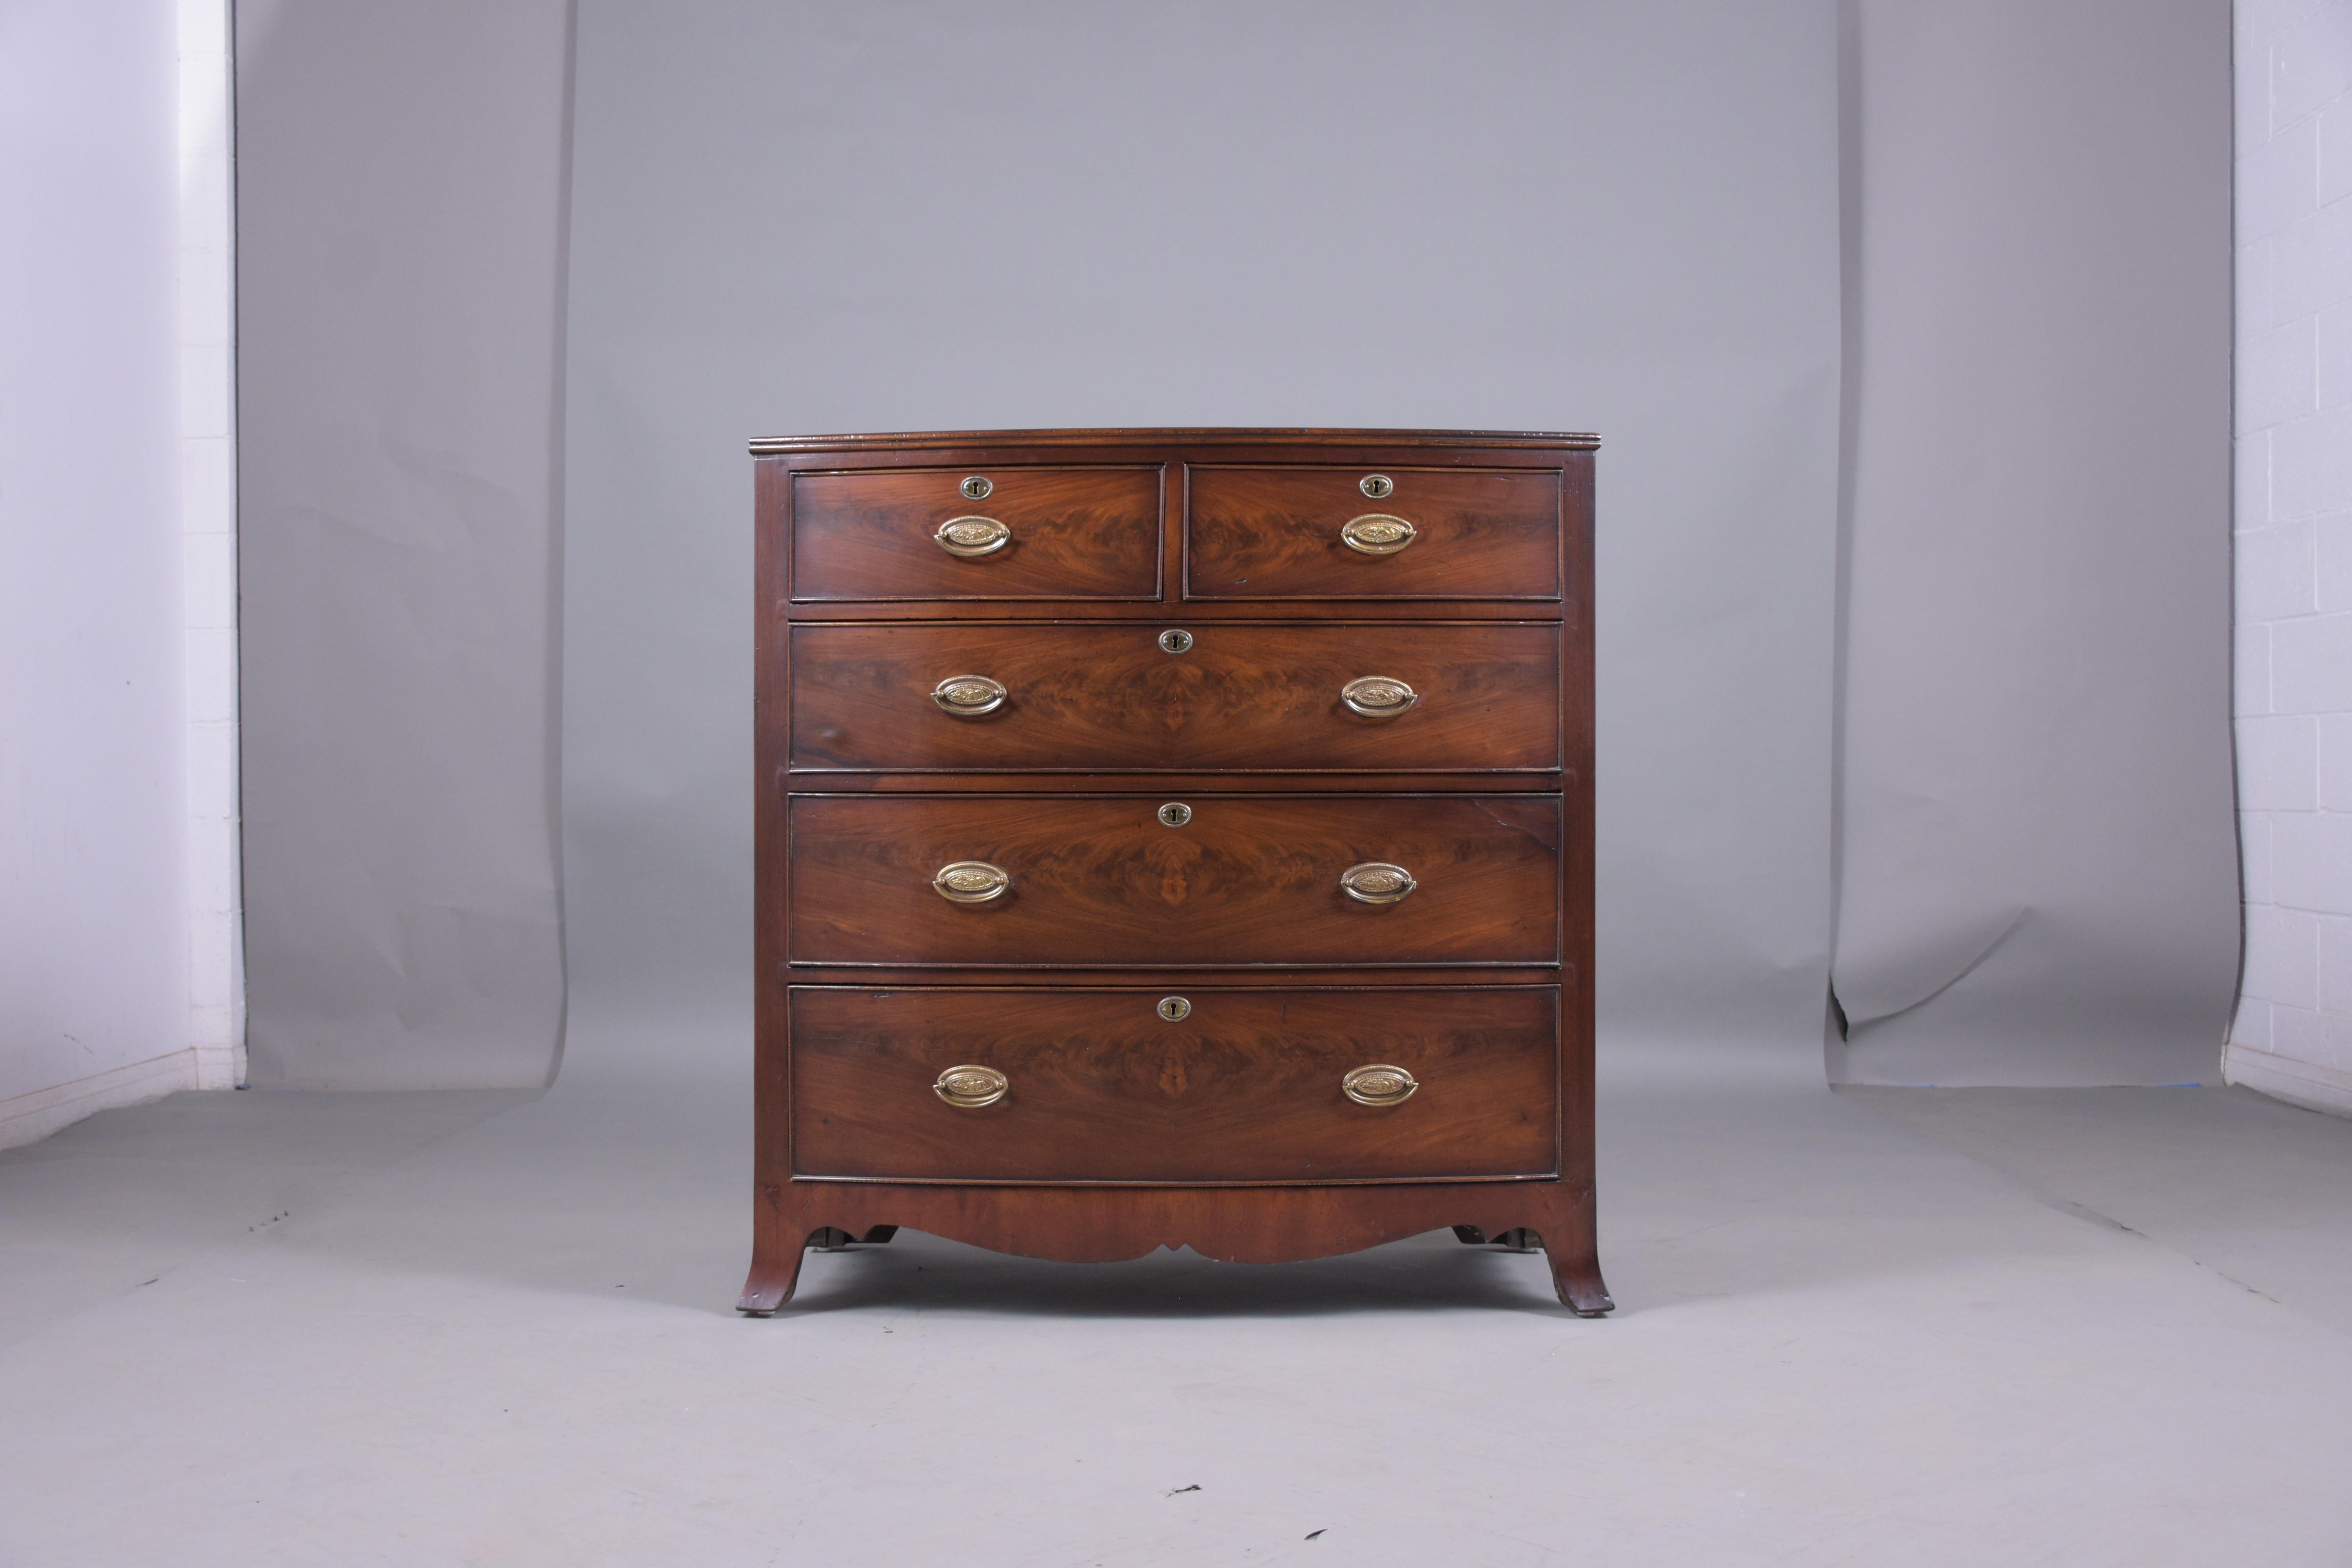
(1878, 1327)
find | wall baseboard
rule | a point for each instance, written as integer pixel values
(2310, 1085)
(30, 1118)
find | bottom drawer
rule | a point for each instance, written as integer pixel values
(1242, 1087)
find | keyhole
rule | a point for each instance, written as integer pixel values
(976, 488)
(1174, 1008)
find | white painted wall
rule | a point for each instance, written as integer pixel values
(110, 992)
(2293, 1033)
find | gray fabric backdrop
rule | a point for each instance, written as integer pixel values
(400, 230)
(2038, 852)
(813, 217)
(852, 217)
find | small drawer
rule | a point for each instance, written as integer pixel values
(1364, 533)
(997, 697)
(1015, 532)
(1144, 881)
(1078, 1086)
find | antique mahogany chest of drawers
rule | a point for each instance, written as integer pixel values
(1175, 836)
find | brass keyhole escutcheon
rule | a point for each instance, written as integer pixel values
(1379, 487)
(1175, 814)
(1175, 1009)
(978, 487)
(1175, 642)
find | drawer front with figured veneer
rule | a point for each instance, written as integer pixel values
(997, 697)
(1206, 1086)
(1011, 532)
(1138, 881)
(1298, 533)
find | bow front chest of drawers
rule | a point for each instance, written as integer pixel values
(1175, 836)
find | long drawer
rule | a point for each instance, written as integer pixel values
(1237, 1086)
(1380, 698)
(1312, 532)
(1017, 532)
(1136, 880)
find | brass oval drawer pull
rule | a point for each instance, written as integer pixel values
(1377, 882)
(1377, 534)
(1378, 696)
(971, 881)
(1379, 1084)
(969, 1086)
(971, 536)
(969, 696)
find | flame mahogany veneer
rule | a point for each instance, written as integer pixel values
(1072, 745)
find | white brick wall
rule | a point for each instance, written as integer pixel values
(2293, 1033)
(208, 542)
